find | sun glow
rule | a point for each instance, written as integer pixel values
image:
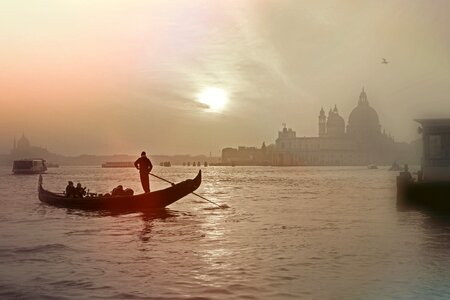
(214, 98)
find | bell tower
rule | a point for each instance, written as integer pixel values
(322, 123)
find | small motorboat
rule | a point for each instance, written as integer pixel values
(137, 203)
(118, 164)
(372, 167)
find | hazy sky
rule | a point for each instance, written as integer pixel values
(87, 76)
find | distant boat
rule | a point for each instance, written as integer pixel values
(118, 164)
(395, 167)
(29, 166)
(372, 167)
(152, 201)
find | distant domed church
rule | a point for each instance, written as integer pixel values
(363, 122)
(333, 126)
(360, 142)
(23, 143)
(23, 149)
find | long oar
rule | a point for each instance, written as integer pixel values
(172, 183)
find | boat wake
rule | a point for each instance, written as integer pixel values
(222, 206)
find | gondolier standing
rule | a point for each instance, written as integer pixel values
(144, 165)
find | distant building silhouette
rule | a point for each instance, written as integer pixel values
(248, 156)
(23, 149)
(360, 143)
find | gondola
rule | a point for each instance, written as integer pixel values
(138, 203)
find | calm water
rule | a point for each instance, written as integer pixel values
(291, 233)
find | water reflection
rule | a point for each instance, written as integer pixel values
(433, 227)
(437, 233)
(216, 254)
(149, 219)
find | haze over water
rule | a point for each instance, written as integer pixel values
(104, 77)
(194, 77)
(290, 233)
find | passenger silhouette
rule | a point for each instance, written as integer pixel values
(144, 165)
(407, 175)
(70, 190)
(80, 191)
(117, 191)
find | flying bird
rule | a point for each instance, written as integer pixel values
(384, 61)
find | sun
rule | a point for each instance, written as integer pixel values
(214, 98)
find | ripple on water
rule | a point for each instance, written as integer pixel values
(291, 233)
(46, 248)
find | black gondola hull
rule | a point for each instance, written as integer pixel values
(142, 202)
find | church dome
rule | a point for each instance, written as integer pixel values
(364, 116)
(23, 142)
(363, 119)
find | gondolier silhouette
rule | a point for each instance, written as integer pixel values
(144, 165)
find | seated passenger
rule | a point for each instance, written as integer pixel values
(128, 192)
(420, 175)
(117, 191)
(80, 191)
(406, 174)
(70, 190)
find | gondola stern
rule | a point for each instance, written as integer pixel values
(40, 180)
(41, 190)
(198, 179)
